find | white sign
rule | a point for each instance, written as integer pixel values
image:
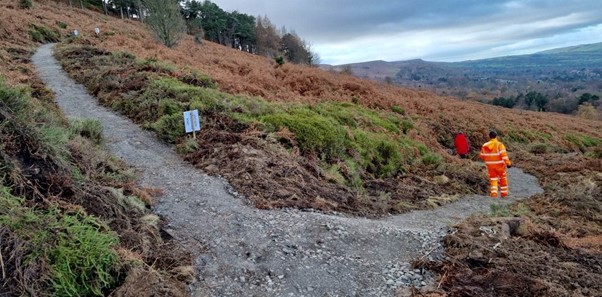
(191, 121)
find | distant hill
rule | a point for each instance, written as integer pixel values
(594, 47)
(563, 73)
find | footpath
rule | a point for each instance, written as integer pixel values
(255, 252)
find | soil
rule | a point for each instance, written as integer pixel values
(255, 252)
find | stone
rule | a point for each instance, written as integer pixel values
(441, 179)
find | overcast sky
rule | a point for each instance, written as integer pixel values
(350, 31)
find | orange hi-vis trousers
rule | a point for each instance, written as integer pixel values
(498, 176)
(496, 158)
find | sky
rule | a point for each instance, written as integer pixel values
(351, 31)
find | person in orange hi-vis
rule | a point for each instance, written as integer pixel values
(496, 158)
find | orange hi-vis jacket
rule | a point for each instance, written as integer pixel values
(494, 155)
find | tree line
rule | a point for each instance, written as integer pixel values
(206, 20)
(579, 105)
(257, 35)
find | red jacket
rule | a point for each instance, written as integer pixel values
(461, 143)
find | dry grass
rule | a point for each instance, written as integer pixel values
(570, 207)
(241, 73)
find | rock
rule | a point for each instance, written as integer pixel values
(441, 179)
(405, 292)
(211, 168)
(505, 233)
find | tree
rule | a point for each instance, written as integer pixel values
(504, 102)
(234, 29)
(268, 41)
(165, 21)
(294, 49)
(210, 16)
(584, 98)
(314, 58)
(123, 8)
(541, 101)
(530, 98)
(587, 97)
(244, 33)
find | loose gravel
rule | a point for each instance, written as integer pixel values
(272, 252)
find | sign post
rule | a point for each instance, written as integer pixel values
(192, 122)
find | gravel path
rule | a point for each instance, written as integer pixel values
(271, 253)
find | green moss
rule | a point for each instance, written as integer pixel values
(431, 159)
(353, 115)
(169, 107)
(78, 249)
(315, 134)
(169, 127)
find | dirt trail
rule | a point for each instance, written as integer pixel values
(270, 253)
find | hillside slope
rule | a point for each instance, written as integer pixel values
(236, 72)
(302, 137)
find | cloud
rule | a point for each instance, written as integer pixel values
(353, 30)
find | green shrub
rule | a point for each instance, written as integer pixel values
(78, 249)
(43, 34)
(387, 159)
(595, 153)
(397, 109)
(315, 134)
(88, 128)
(518, 137)
(354, 116)
(583, 141)
(169, 107)
(196, 78)
(169, 127)
(188, 146)
(499, 210)
(155, 66)
(61, 25)
(540, 148)
(431, 159)
(83, 262)
(406, 126)
(25, 4)
(380, 155)
(279, 60)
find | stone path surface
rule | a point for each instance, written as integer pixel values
(271, 253)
